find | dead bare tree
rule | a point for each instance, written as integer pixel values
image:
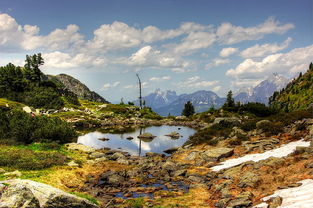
(140, 97)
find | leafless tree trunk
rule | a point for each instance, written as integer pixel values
(140, 97)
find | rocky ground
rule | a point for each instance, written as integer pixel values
(229, 174)
(193, 177)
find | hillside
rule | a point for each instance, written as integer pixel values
(78, 88)
(297, 95)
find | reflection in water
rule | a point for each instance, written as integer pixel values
(137, 146)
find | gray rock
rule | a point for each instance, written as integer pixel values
(192, 156)
(80, 147)
(29, 194)
(171, 150)
(13, 174)
(249, 179)
(215, 154)
(73, 164)
(262, 123)
(227, 121)
(95, 155)
(117, 156)
(275, 202)
(242, 200)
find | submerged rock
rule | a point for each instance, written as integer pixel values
(146, 137)
(173, 135)
(26, 193)
(171, 150)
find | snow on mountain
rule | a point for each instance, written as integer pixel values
(263, 90)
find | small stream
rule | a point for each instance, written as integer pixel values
(130, 143)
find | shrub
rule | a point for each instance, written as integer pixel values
(27, 159)
(22, 127)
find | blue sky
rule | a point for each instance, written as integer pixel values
(173, 44)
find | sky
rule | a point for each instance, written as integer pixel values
(181, 45)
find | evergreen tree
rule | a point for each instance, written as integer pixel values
(189, 110)
(32, 71)
(230, 102)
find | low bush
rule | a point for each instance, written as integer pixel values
(21, 127)
(27, 159)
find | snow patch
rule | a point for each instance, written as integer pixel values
(301, 196)
(282, 151)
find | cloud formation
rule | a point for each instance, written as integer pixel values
(265, 49)
(225, 52)
(289, 64)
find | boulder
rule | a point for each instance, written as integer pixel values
(30, 194)
(263, 123)
(13, 174)
(146, 137)
(215, 154)
(28, 109)
(171, 150)
(242, 200)
(249, 179)
(80, 147)
(227, 121)
(173, 135)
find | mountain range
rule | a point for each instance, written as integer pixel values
(168, 102)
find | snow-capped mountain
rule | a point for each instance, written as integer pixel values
(263, 90)
(159, 98)
(202, 100)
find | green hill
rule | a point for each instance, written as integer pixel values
(298, 94)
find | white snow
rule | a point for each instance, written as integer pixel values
(282, 151)
(298, 197)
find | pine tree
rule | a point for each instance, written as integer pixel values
(189, 110)
(230, 102)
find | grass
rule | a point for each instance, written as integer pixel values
(12, 104)
(28, 159)
(86, 196)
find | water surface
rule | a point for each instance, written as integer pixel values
(136, 146)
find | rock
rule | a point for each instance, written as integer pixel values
(95, 155)
(13, 174)
(171, 150)
(249, 179)
(197, 179)
(179, 173)
(242, 200)
(169, 165)
(122, 161)
(73, 164)
(227, 121)
(262, 123)
(309, 165)
(104, 139)
(2, 171)
(192, 156)
(28, 109)
(101, 159)
(215, 154)
(146, 137)
(80, 147)
(117, 155)
(130, 138)
(173, 135)
(29, 194)
(275, 202)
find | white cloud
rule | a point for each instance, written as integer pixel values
(289, 64)
(265, 49)
(230, 34)
(108, 86)
(59, 59)
(194, 41)
(160, 79)
(149, 57)
(217, 88)
(225, 52)
(217, 62)
(196, 82)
